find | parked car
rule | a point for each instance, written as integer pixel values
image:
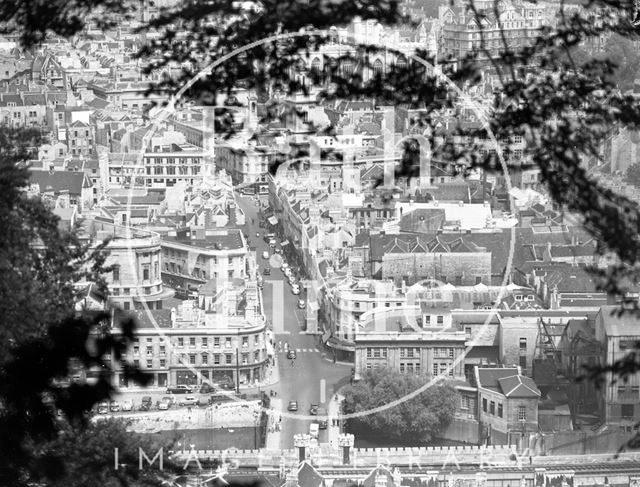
(127, 405)
(322, 418)
(204, 401)
(313, 410)
(266, 272)
(301, 304)
(179, 390)
(314, 430)
(188, 401)
(295, 289)
(293, 406)
(265, 254)
(165, 403)
(145, 404)
(103, 407)
(207, 389)
(114, 406)
(291, 354)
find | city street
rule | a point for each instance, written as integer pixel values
(312, 376)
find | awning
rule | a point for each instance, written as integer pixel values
(273, 220)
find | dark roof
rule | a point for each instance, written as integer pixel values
(57, 181)
(489, 377)
(227, 240)
(308, 476)
(518, 386)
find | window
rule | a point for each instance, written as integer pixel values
(484, 405)
(245, 342)
(451, 351)
(163, 363)
(465, 402)
(427, 319)
(162, 350)
(205, 342)
(523, 344)
(245, 358)
(522, 413)
(136, 351)
(216, 341)
(500, 410)
(181, 342)
(149, 351)
(403, 352)
(227, 359)
(435, 369)
(402, 368)
(467, 331)
(256, 356)
(205, 359)
(417, 367)
(116, 273)
(192, 341)
(145, 273)
(523, 361)
(626, 411)
(376, 353)
(256, 339)
(440, 320)
(216, 359)
(492, 408)
(369, 352)
(149, 363)
(227, 342)
(192, 359)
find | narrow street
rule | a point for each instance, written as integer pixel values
(312, 376)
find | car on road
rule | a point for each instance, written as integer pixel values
(114, 406)
(293, 406)
(295, 289)
(272, 243)
(165, 403)
(207, 389)
(265, 255)
(267, 272)
(314, 430)
(313, 410)
(301, 304)
(145, 404)
(127, 405)
(103, 407)
(179, 390)
(188, 401)
(322, 418)
(291, 354)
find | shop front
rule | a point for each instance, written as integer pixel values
(186, 378)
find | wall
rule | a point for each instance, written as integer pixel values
(462, 430)
(584, 442)
(511, 330)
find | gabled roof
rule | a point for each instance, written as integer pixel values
(489, 377)
(370, 480)
(308, 476)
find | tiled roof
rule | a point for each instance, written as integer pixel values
(308, 476)
(489, 377)
(72, 181)
(518, 386)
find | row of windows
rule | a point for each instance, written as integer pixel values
(491, 409)
(442, 369)
(204, 341)
(376, 352)
(127, 291)
(228, 358)
(443, 352)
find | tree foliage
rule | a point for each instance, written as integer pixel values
(418, 419)
(41, 336)
(633, 174)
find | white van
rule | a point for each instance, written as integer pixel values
(314, 430)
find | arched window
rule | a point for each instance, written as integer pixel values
(315, 65)
(378, 68)
(401, 62)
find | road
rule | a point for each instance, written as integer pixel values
(312, 376)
